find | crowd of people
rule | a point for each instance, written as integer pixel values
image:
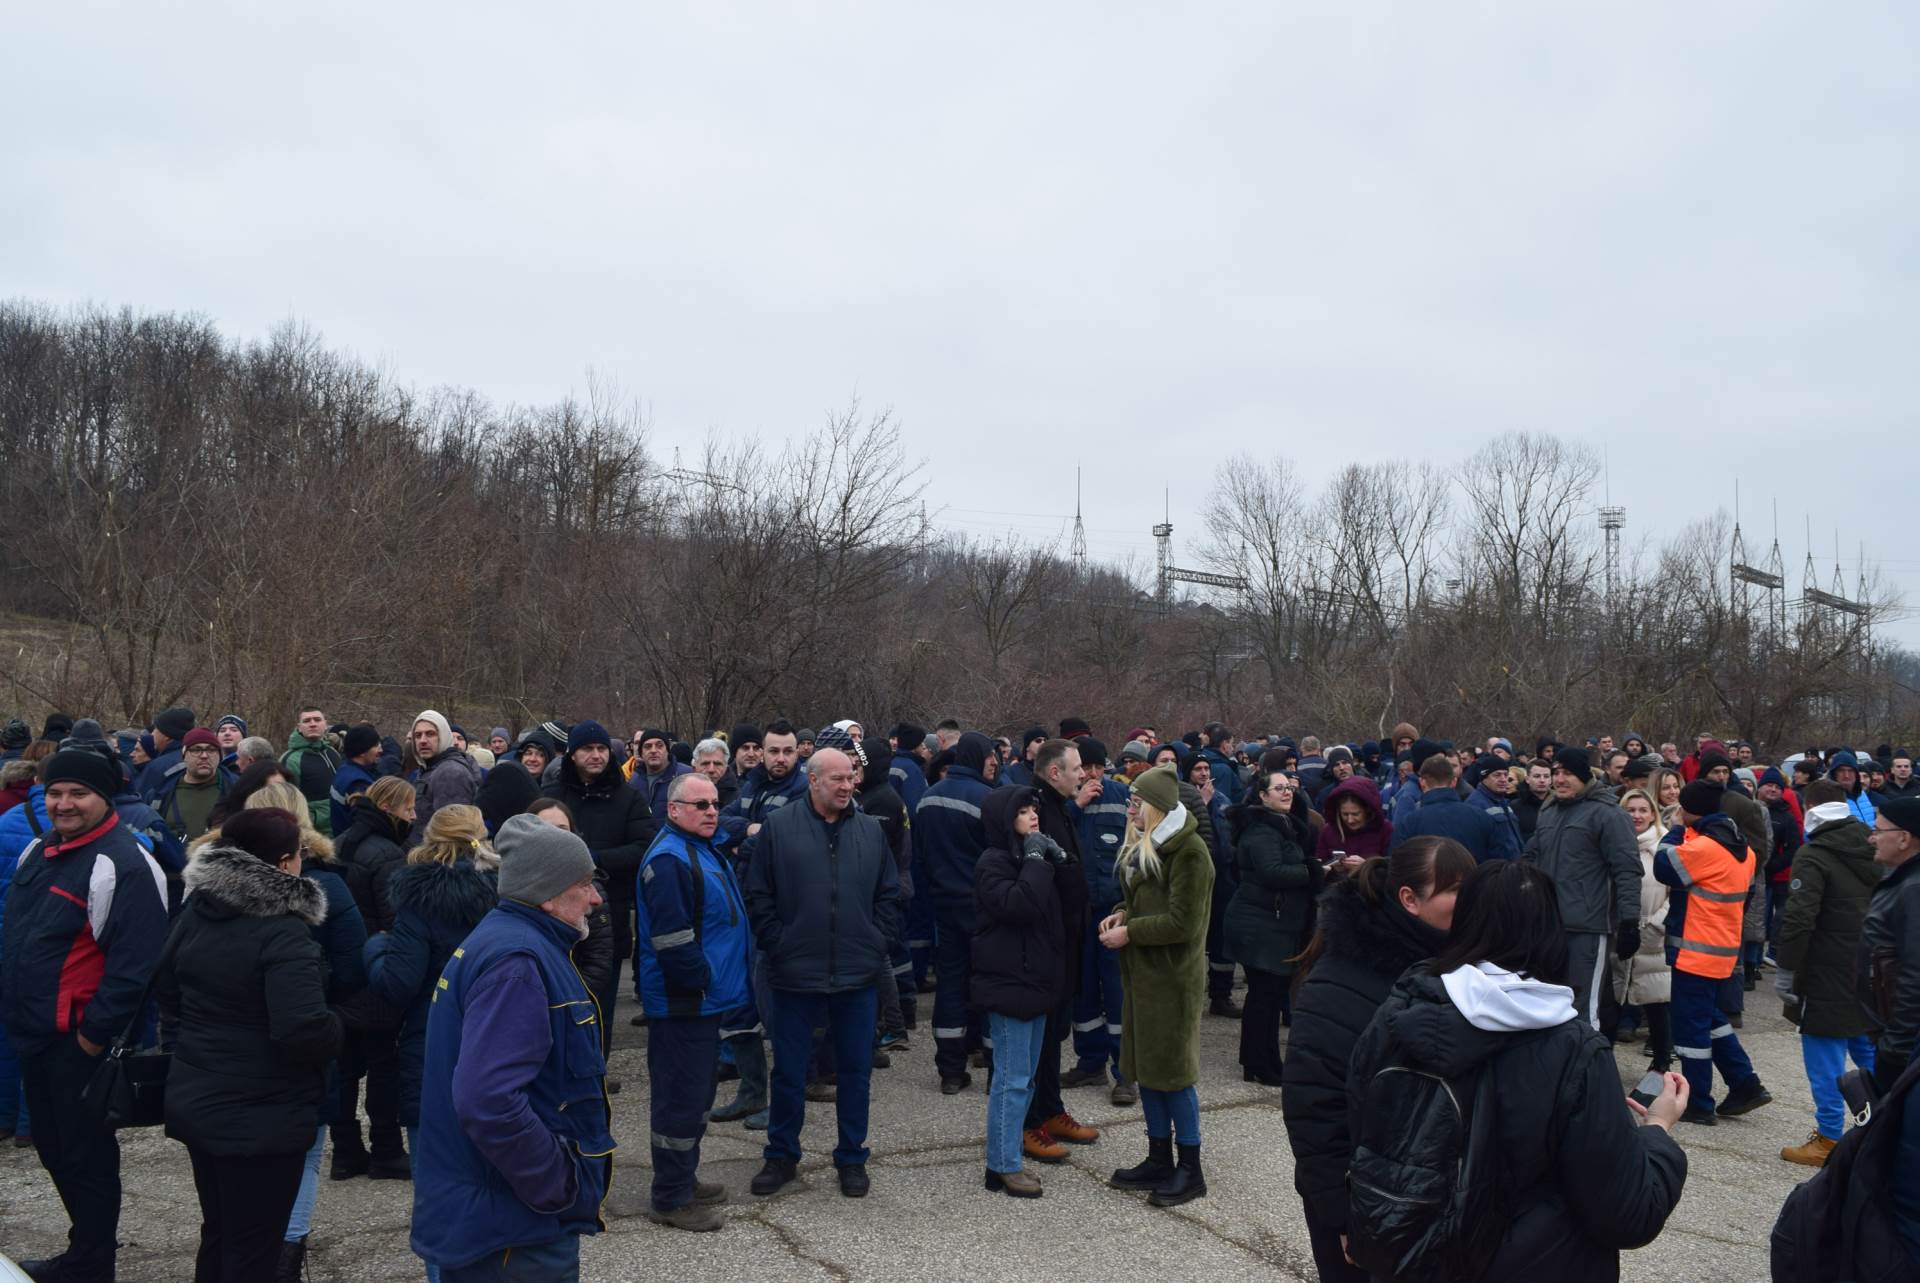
(435, 932)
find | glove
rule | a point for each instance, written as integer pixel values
(1043, 847)
(1626, 941)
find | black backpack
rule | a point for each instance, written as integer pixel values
(1423, 1190)
(1839, 1226)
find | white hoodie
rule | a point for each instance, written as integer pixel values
(1505, 1001)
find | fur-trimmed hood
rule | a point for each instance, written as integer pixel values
(1387, 939)
(252, 888)
(460, 893)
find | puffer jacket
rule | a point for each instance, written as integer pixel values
(1364, 945)
(1587, 846)
(370, 852)
(1272, 907)
(246, 985)
(435, 906)
(1888, 972)
(1834, 877)
(1646, 977)
(1020, 941)
(1584, 1180)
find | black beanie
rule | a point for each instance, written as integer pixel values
(266, 833)
(1710, 760)
(57, 726)
(1031, 734)
(174, 723)
(1074, 728)
(1576, 762)
(655, 733)
(907, 737)
(359, 738)
(1702, 797)
(16, 736)
(743, 734)
(1092, 751)
(1903, 813)
(85, 767)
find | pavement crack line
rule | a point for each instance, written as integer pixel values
(1275, 1251)
(795, 1246)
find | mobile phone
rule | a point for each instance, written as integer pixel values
(1650, 1088)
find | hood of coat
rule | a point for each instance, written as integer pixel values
(1827, 813)
(1363, 791)
(1178, 821)
(1435, 1034)
(247, 887)
(1846, 840)
(875, 770)
(1502, 1001)
(998, 811)
(971, 751)
(457, 893)
(1387, 938)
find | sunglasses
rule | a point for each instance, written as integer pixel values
(704, 804)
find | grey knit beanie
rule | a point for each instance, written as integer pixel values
(538, 861)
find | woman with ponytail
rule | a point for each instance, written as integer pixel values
(1395, 910)
(1165, 872)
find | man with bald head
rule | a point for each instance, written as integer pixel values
(822, 894)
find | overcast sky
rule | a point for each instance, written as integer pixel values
(1129, 238)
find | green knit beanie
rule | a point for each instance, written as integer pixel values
(1159, 788)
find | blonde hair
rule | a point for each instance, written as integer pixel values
(281, 793)
(387, 793)
(454, 833)
(1138, 857)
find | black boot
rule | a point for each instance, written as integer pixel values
(350, 1157)
(1185, 1184)
(1147, 1175)
(293, 1262)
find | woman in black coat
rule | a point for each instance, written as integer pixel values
(1392, 912)
(1267, 920)
(1019, 968)
(374, 847)
(1572, 1178)
(245, 981)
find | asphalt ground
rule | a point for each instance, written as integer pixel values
(928, 1217)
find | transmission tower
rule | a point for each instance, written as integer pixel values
(1743, 573)
(1079, 551)
(1167, 574)
(1612, 518)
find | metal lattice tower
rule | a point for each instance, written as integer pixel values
(1079, 550)
(1742, 573)
(1612, 518)
(1167, 574)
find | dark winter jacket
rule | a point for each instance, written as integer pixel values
(909, 779)
(948, 834)
(435, 906)
(369, 852)
(611, 817)
(759, 797)
(504, 793)
(146, 825)
(163, 801)
(1834, 877)
(1375, 837)
(1583, 1181)
(85, 922)
(1102, 826)
(1499, 813)
(247, 986)
(1020, 935)
(878, 798)
(1526, 810)
(593, 956)
(450, 779)
(350, 779)
(654, 787)
(693, 947)
(1442, 813)
(1888, 974)
(1057, 821)
(1364, 948)
(1271, 912)
(1588, 848)
(823, 899)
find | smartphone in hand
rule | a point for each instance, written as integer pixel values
(1649, 1088)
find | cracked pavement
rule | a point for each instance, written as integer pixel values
(928, 1218)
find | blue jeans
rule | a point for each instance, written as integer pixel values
(555, 1262)
(1826, 1060)
(848, 1016)
(1172, 1112)
(413, 1149)
(1016, 1055)
(1097, 1007)
(1704, 1040)
(301, 1222)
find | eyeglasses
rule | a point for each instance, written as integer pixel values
(704, 804)
(202, 750)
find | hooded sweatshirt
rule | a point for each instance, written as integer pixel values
(1501, 1001)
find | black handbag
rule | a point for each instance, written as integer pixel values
(129, 1087)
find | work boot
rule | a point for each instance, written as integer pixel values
(1014, 1184)
(822, 1092)
(1147, 1175)
(773, 1174)
(389, 1167)
(758, 1122)
(1084, 1076)
(1700, 1115)
(1224, 1005)
(1812, 1154)
(1124, 1092)
(1065, 1127)
(954, 1084)
(349, 1162)
(688, 1216)
(709, 1193)
(1040, 1147)
(881, 1060)
(854, 1181)
(293, 1262)
(750, 1097)
(1185, 1184)
(80, 1263)
(1744, 1099)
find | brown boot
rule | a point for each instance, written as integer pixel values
(1014, 1184)
(1042, 1148)
(1812, 1154)
(1065, 1127)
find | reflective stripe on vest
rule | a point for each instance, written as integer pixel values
(1716, 890)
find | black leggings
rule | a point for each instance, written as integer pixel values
(1260, 1022)
(244, 1206)
(1659, 1018)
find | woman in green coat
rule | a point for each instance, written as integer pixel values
(1166, 884)
(1270, 917)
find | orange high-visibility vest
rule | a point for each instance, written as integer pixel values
(1708, 940)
